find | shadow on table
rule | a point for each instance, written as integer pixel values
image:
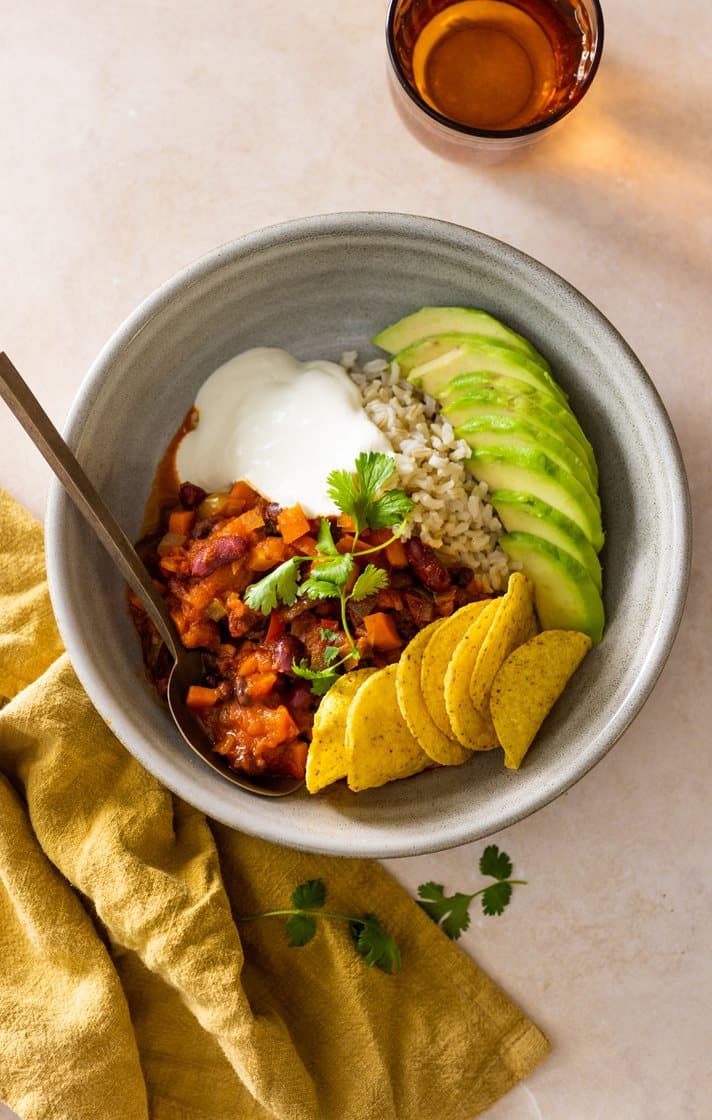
(633, 155)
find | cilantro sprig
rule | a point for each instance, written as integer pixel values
(370, 939)
(359, 494)
(452, 912)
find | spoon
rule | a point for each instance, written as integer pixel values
(187, 664)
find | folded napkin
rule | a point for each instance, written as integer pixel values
(127, 990)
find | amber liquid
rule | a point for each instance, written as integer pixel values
(495, 65)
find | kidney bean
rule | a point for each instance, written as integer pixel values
(284, 650)
(216, 552)
(431, 572)
(191, 495)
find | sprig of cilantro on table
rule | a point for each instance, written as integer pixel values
(452, 912)
(359, 494)
(370, 938)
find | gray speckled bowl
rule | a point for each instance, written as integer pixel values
(317, 287)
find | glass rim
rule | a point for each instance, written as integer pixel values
(490, 133)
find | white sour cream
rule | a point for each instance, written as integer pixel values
(279, 424)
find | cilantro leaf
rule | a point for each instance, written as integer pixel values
(371, 580)
(495, 898)
(375, 945)
(328, 635)
(325, 541)
(330, 654)
(389, 510)
(337, 570)
(300, 929)
(495, 863)
(321, 679)
(359, 498)
(373, 470)
(320, 589)
(279, 586)
(450, 913)
(343, 491)
(310, 895)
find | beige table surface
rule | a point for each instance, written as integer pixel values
(137, 136)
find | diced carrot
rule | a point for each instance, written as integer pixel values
(250, 520)
(242, 491)
(260, 661)
(200, 697)
(292, 523)
(395, 554)
(345, 521)
(276, 627)
(345, 544)
(260, 685)
(181, 521)
(266, 554)
(248, 665)
(381, 631)
(265, 727)
(305, 546)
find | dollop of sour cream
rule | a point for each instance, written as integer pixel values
(280, 424)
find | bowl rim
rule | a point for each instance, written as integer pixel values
(69, 617)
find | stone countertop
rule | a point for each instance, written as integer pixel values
(137, 137)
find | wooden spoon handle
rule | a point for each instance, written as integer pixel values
(25, 406)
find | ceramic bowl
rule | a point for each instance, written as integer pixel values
(317, 287)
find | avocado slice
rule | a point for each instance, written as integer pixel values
(463, 411)
(564, 593)
(444, 320)
(523, 513)
(432, 363)
(486, 431)
(534, 472)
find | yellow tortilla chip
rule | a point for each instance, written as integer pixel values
(472, 728)
(412, 704)
(528, 685)
(513, 624)
(436, 658)
(326, 760)
(379, 745)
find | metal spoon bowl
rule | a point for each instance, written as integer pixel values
(187, 664)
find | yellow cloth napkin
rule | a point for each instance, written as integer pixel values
(127, 990)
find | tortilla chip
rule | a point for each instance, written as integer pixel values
(472, 728)
(436, 658)
(412, 704)
(326, 760)
(379, 745)
(513, 624)
(528, 685)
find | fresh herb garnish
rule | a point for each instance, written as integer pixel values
(357, 494)
(371, 940)
(452, 912)
(280, 586)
